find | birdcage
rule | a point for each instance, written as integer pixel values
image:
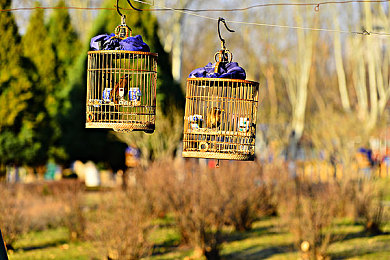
(121, 90)
(220, 115)
(220, 119)
(121, 87)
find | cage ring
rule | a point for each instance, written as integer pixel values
(203, 146)
(227, 56)
(90, 117)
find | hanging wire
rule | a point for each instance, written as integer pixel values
(364, 32)
(316, 6)
(192, 12)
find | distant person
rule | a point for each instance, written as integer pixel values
(132, 155)
(365, 161)
(92, 175)
(132, 160)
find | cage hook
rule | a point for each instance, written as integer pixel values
(220, 19)
(119, 12)
(224, 55)
(132, 6)
(122, 31)
(117, 9)
(123, 17)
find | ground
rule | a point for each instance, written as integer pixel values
(266, 240)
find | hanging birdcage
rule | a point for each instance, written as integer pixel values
(121, 87)
(121, 90)
(220, 116)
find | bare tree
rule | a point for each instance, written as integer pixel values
(173, 35)
(340, 67)
(368, 59)
(296, 75)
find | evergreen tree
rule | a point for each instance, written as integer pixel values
(38, 47)
(15, 85)
(18, 123)
(65, 39)
(67, 48)
(66, 45)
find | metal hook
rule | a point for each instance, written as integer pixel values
(117, 8)
(219, 31)
(128, 1)
(133, 6)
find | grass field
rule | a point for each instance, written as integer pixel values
(265, 240)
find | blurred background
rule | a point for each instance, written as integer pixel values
(319, 186)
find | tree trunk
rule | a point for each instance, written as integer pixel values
(305, 51)
(371, 69)
(340, 68)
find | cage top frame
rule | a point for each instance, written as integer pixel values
(225, 80)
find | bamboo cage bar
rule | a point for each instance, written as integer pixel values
(220, 119)
(121, 90)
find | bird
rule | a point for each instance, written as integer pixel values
(120, 89)
(214, 117)
(117, 94)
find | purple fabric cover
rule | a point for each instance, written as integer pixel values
(229, 70)
(109, 42)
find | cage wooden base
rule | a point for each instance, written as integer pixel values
(121, 90)
(219, 156)
(148, 128)
(220, 119)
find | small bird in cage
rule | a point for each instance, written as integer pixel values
(120, 89)
(214, 117)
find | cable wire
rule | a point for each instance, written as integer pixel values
(194, 12)
(364, 32)
(316, 5)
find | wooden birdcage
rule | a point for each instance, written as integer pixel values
(121, 87)
(220, 114)
(220, 119)
(121, 90)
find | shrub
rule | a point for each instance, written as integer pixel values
(308, 210)
(250, 194)
(12, 219)
(367, 200)
(199, 205)
(123, 224)
(71, 195)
